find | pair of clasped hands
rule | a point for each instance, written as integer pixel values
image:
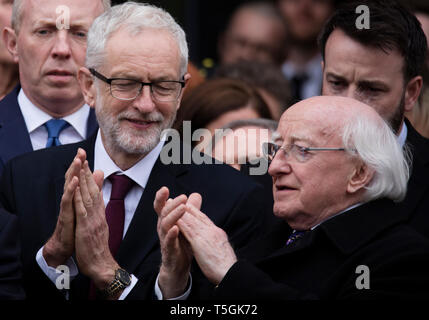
(185, 232)
(81, 226)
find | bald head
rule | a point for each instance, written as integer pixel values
(329, 113)
(336, 152)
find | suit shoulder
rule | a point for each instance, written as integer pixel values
(6, 219)
(45, 158)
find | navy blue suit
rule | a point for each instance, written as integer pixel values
(10, 265)
(14, 136)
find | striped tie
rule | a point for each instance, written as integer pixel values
(54, 127)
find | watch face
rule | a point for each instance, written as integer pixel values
(123, 276)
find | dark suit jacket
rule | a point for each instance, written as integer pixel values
(32, 186)
(416, 203)
(14, 137)
(10, 265)
(323, 264)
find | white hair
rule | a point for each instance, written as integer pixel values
(136, 17)
(376, 145)
(17, 12)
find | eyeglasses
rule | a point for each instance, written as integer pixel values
(300, 154)
(129, 89)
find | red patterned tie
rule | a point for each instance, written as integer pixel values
(115, 210)
(115, 216)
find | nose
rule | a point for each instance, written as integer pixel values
(144, 101)
(280, 165)
(61, 47)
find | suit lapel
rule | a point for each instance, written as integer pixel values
(141, 237)
(92, 124)
(418, 184)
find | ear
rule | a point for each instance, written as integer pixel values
(361, 177)
(87, 86)
(322, 65)
(10, 39)
(412, 92)
(186, 77)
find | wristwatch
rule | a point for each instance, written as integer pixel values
(121, 281)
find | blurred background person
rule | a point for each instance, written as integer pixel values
(419, 115)
(242, 142)
(8, 68)
(255, 32)
(240, 146)
(216, 102)
(267, 78)
(304, 20)
(196, 76)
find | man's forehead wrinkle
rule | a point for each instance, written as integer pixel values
(311, 126)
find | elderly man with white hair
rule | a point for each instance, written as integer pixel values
(86, 211)
(337, 175)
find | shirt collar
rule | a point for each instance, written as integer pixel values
(139, 173)
(34, 117)
(341, 212)
(312, 68)
(403, 135)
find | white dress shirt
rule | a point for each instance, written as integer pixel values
(139, 173)
(402, 137)
(312, 86)
(35, 119)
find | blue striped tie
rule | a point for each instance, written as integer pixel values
(54, 127)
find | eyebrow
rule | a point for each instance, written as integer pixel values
(126, 75)
(52, 23)
(295, 138)
(332, 74)
(374, 83)
(362, 83)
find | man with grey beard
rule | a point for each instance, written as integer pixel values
(86, 214)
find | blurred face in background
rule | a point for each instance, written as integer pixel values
(252, 36)
(424, 20)
(241, 145)
(5, 17)
(305, 18)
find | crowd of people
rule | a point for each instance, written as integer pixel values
(335, 115)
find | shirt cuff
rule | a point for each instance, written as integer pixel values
(54, 273)
(128, 289)
(184, 296)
